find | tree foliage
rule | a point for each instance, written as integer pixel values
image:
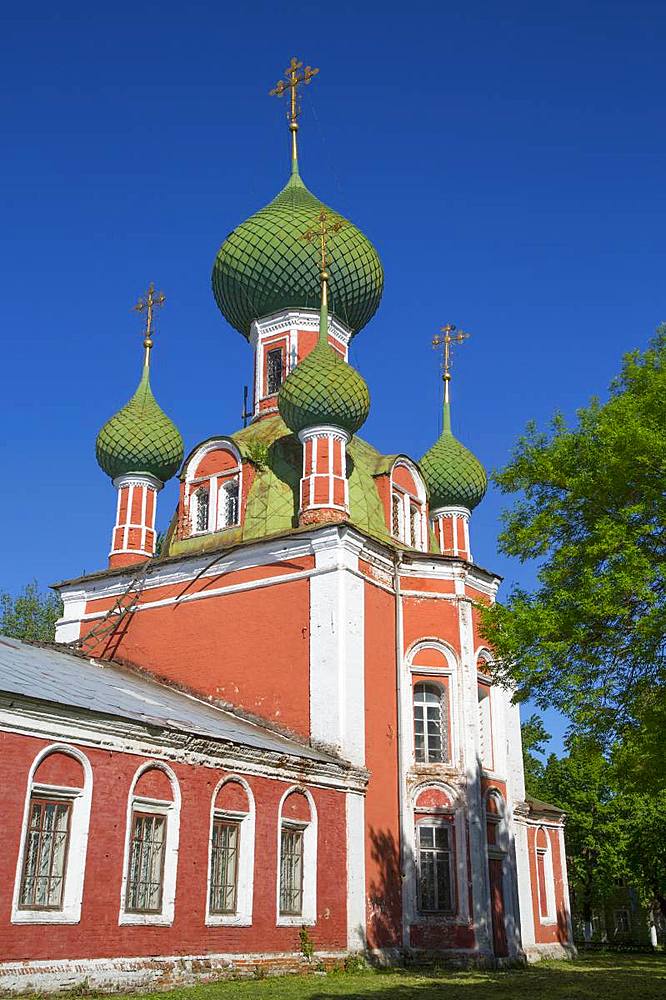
(591, 508)
(30, 614)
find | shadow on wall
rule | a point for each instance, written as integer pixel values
(385, 892)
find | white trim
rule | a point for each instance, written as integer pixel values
(549, 877)
(172, 812)
(452, 674)
(308, 915)
(404, 511)
(337, 649)
(460, 914)
(245, 871)
(356, 909)
(81, 799)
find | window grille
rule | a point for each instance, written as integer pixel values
(224, 866)
(273, 371)
(430, 724)
(43, 876)
(229, 503)
(622, 922)
(485, 726)
(202, 501)
(145, 876)
(291, 871)
(396, 515)
(434, 868)
(415, 525)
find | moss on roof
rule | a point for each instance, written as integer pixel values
(272, 506)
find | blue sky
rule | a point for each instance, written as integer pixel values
(507, 159)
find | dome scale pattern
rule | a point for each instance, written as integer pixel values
(455, 477)
(265, 266)
(140, 438)
(324, 389)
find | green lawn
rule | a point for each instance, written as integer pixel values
(597, 977)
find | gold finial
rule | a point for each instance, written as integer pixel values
(151, 300)
(448, 336)
(322, 231)
(294, 79)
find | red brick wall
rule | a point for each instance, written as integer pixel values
(98, 934)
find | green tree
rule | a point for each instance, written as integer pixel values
(30, 614)
(534, 740)
(591, 508)
(583, 784)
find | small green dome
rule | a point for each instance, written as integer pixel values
(455, 477)
(324, 389)
(265, 265)
(140, 438)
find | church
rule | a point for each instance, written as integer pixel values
(271, 736)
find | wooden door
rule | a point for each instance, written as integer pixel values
(495, 873)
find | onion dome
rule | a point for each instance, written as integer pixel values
(140, 437)
(264, 266)
(323, 388)
(454, 476)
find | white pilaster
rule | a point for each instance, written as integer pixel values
(355, 819)
(337, 637)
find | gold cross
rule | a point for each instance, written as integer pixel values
(294, 80)
(151, 301)
(322, 231)
(449, 335)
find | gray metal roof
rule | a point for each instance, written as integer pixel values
(46, 673)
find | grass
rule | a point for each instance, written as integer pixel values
(592, 977)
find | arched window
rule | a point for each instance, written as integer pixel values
(484, 702)
(408, 521)
(201, 508)
(297, 853)
(545, 875)
(431, 723)
(211, 497)
(231, 854)
(435, 845)
(51, 865)
(228, 507)
(151, 847)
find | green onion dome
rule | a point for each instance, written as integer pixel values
(454, 476)
(324, 389)
(265, 265)
(140, 438)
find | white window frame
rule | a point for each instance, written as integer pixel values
(74, 872)
(245, 870)
(214, 483)
(548, 877)
(406, 499)
(436, 823)
(447, 676)
(444, 713)
(308, 915)
(171, 810)
(222, 485)
(456, 810)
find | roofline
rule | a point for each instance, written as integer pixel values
(392, 545)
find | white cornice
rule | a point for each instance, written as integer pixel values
(46, 720)
(299, 319)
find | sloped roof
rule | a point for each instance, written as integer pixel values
(273, 501)
(54, 675)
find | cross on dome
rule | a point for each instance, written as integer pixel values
(294, 79)
(147, 304)
(448, 336)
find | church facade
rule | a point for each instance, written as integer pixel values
(280, 732)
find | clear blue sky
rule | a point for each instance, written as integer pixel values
(507, 159)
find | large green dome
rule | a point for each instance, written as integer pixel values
(265, 265)
(324, 389)
(140, 438)
(455, 477)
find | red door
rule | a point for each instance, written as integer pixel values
(497, 907)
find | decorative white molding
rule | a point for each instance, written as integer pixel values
(308, 915)
(172, 812)
(81, 799)
(246, 860)
(294, 320)
(138, 479)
